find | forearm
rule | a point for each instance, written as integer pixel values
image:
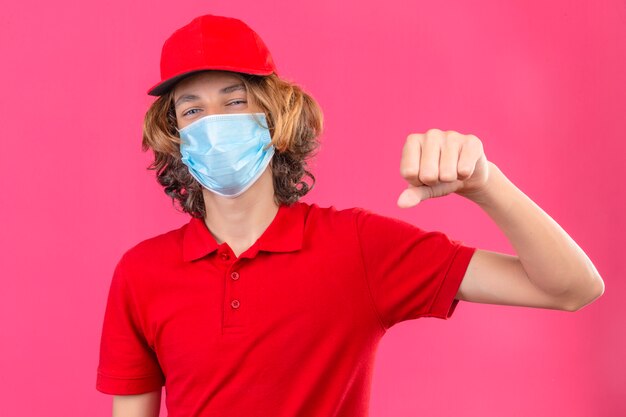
(553, 262)
(140, 405)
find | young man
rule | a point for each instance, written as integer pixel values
(266, 306)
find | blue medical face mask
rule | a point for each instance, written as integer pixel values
(227, 153)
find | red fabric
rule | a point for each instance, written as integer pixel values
(315, 294)
(212, 42)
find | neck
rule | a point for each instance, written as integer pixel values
(242, 220)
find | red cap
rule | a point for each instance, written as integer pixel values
(212, 42)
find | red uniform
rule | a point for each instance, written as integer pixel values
(289, 328)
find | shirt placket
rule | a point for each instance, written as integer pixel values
(234, 305)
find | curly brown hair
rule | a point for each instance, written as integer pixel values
(295, 121)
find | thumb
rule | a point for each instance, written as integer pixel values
(413, 195)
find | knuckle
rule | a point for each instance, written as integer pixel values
(434, 132)
(451, 143)
(447, 176)
(413, 137)
(428, 178)
(409, 171)
(475, 139)
(464, 172)
(454, 138)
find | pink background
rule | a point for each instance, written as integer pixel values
(541, 83)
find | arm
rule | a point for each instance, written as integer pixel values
(141, 405)
(550, 269)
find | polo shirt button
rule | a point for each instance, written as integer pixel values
(225, 256)
(234, 304)
(235, 276)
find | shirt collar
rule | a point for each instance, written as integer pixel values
(284, 234)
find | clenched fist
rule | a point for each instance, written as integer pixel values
(437, 163)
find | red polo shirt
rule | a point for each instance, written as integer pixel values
(290, 328)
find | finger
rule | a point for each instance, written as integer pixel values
(449, 160)
(410, 162)
(469, 155)
(429, 162)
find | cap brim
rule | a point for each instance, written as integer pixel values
(164, 86)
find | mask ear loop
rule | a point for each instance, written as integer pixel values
(256, 117)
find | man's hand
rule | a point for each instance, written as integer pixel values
(437, 163)
(549, 271)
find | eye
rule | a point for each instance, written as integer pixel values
(190, 111)
(237, 102)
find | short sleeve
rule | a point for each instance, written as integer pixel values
(127, 364)
(411, 273)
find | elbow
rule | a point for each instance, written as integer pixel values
(592, 292)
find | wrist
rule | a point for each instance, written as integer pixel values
(494, 192)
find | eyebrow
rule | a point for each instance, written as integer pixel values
(232, 88)
(192, 97)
